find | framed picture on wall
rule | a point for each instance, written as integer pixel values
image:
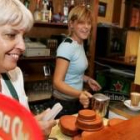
(102, 9)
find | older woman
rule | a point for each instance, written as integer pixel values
(15, 21)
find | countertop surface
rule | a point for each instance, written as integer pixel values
(119, 108)
(115, 106)
(56, 132)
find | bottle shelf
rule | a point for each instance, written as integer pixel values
(36, 77)
(133, 29)
(118, 60)
(39, 96)
(50, 24)
(37, 58)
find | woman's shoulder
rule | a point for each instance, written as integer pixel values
(68, 43)
(71, 42)
(68, 40)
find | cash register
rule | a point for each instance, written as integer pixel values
(34, 49)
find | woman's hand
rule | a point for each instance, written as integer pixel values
(84, 98)
(94, 85)
(46, 126)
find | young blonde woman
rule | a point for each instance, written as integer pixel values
(15, 21)
(71, 64)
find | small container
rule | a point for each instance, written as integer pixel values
(37, 13)
(135, 98)
(99, 104)
(45, 12)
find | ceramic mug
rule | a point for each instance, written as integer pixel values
(135, 98)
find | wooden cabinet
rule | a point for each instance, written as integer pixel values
(130, 59)
(32, 67)
(38, 86)
(47, 29)
(132, 32)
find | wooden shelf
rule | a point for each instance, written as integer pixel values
(118, 60)
(32, 67)
(44, 29)
(36, 77)
(51, 24)
(137, 29)
(38, 97)
(38, 58)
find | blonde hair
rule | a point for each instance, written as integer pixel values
(80, 14)
(14, 13)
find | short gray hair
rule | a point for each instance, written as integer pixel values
(13, 12)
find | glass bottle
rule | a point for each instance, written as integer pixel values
(44, 11)
(88, 4)
(50, 15)
(65, 11)
(50, 9)
(37, 12)
(71, 5)
(50, 6)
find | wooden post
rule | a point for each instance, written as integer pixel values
(91, 55)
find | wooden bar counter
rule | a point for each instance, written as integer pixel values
(117, 107)
(56, 132)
